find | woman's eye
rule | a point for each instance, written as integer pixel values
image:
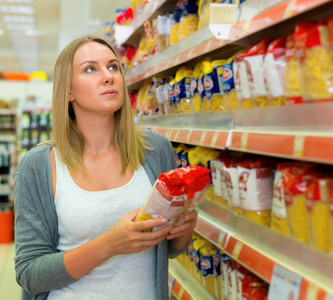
(113, 68)
(90, 69)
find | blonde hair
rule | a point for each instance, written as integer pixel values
(67, 137)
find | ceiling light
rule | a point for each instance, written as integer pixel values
(17, 9)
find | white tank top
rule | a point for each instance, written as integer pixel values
(84, 215)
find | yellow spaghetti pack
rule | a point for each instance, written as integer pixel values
(212, 82)
(182, 90)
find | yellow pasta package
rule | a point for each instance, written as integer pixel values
(171, 97)
(242, 86)
(182, 90)
(294, 185)
(317, 66)
(228, 87)
(279, 214)
(197, 245)
(318, 204)
(255, 190)
(204, 12)
(212, 82)
(254, 58)
(215, 166)
(207, 155)
(207, 267)
(274, 71)
(142, 106)
(189, 20)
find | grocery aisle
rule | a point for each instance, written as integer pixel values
(9, 289)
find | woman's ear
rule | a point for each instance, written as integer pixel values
(71, 98)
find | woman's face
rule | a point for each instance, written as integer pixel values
(97, 84)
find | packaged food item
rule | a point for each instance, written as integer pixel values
(162, 32)
(231, 181)
(253, 288)
(254, 58)
(294, 185)
(178, 153)
(318, 193)
(274, 71)
(241, 82)
(204, 12)
(142, 106)
(256, 190)
(182, 90)
(197, 245)
(189, 20)
(173, 23)
(295, 52)
(279, 214)
(216, 165)
(228, 87)
(317, 66)
(153, 97)
(207, 155)
(192, 267)
(217, 274)
(213, 81)
(226, 262)
(207, 267)
(232, 280)
(175, 193)
(172, 97)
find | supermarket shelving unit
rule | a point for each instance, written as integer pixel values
(301, 132)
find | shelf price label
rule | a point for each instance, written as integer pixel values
(244, 138)
(203, 136)
(299, 145)
(220, 238)
(284, 285)
(189, 135)
(237, 249)
(176, 135)
(214, 139)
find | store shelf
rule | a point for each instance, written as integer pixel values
(259, 249)
(185, 286)
(7, 112)
(151, 10)
(275, 22)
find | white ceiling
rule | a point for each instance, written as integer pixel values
(54, 24)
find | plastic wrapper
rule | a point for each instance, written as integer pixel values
(274, 71)
(166, 96)
(154, 100)
(216, 166)
(295, 52)
(171, 98)
(317, 66)
(197, 245)
(318, 192)
(175, 193)
(231, 182)
(213, 81)
(162, 32)
(242, 86)
(254, 58)
(279, 221)
(207, 267)
(217, 274)
(188, 22)
(204, 12)
(253, 288)
(226, 268)
(207, 155)
(182, 90)
(228, 86)
(142, 106)
(255, 190)
(294, 185)
(178, 153)
(173, 23)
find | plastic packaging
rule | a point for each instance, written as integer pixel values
(207, 267)
(256, 190)
(175, 193)
(274, 71)
(182, 90)
(189, 20)
(228, 86)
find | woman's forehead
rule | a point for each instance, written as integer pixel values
(93, 51)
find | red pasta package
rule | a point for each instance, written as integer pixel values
(175, 193)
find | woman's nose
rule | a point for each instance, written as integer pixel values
(107, 77)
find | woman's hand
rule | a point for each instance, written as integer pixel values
(181, 235)
(127, 236)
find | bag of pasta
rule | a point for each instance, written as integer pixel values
(153, 97)
(213, 81)
(274, 71)
(172, 97)
(295, 51)
(162, 32)
(255, 181)
(254, 58)
(228, 87)
(318, 195)
(242, 86)
(182, 90)
(204, 12)
(173, 23)
(317, 66)
(189, 20)
(279, 221)
(294, 176)
(174, 194)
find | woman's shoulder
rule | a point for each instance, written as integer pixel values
(37, 156)
(156, 140)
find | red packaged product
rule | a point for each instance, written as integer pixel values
(175, 193)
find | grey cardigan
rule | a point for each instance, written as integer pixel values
(39, 266)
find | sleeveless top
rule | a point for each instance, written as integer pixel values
(83, 216)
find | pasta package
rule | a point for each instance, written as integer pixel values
(317, 66)
(228, 87)
(174, 194)
(204, 12)
(178, 153)
(319, 191)
(171, 97)
(213, 81)
(162, 32)
(254, 58)
(295, 52)
(182, 90)
(207, 155)
(207, 267)
(173, 23)
(226, 268)
(255, 190)
(216, 166)
(242, 86)
(294, 185)
(197, 245)
(189, 20)
(274, 71)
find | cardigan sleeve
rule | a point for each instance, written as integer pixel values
(39, 267)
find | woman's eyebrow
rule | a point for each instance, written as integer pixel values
(95, 62)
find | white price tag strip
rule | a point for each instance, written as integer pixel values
(312, 292)
(247, 24)
(245, 136)
(284, 285)
(237, 249)
(299, 145)
(189, 135)
(220, 238)
(176, 135)
(214, 139)
(203, 136)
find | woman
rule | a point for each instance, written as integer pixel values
(76, 197)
